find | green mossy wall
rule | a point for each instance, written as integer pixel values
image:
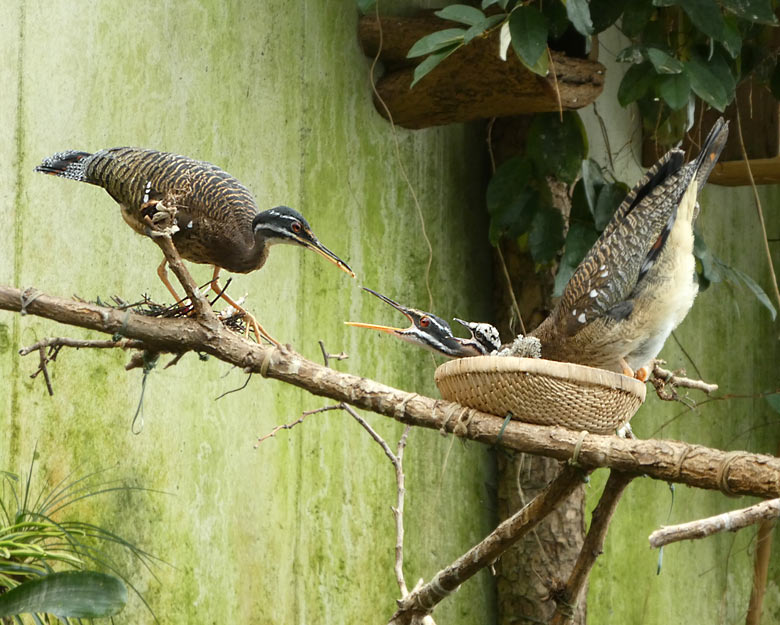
(727, 338)
(300, 529)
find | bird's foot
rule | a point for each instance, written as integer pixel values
(627, 371)
(642, 374)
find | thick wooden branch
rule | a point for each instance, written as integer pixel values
(421, 601)
(738, 473)
(726, 522)
(472, 83)
(566, 599)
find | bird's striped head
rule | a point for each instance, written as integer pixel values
(286, 225)
(484, 336)
(425, 330)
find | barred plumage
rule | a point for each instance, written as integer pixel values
(215, 211)
(217, 221)
(637, 283)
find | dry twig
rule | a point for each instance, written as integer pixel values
(566, 598)
(728, 521)
(421, 601)
(663, 377)
(298, 421)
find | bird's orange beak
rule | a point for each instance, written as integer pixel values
(315, 245)
(388, 329)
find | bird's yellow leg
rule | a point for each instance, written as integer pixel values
(626, 369)
(162, 272)
(642, 374)
(250, 319)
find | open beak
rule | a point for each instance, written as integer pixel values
(388, 329)
(315, 245)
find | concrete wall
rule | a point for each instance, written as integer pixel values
(277, 93)
(728, 338)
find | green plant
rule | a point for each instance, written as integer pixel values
(682, 53)
(36, 540)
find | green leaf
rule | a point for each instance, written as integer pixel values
(605, 13)
(436, 41)
(706, 84)
(592, 182)
(432, 61)
(774, 401)
(481, 27)
(675, 90)
(557, 147)
(732, 37)
(636, 16)
(579, 15)
(546, 235)
(69, 594)
(635, 84)
(579, 240)
(528, 28)
(487, 3)
(752, 10)
(609, 198)
(557, 20)
(705, 15)
(756, 289)
(663, 62)
(462, 13)
(510, 199)
(366, 6)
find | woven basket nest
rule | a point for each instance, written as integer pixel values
(541, 391)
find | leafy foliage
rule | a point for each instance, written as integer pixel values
(681, 52)
(35, 540)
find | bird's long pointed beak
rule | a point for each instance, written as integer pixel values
(318, 247)
(373, 326)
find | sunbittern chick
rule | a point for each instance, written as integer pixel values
(217, 220)
(433, 333)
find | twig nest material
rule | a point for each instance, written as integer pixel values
(541, 391)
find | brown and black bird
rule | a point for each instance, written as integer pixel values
(635, 285)
(217, 221)
(432, 332)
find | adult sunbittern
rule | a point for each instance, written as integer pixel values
(217, 220)
(635, 285)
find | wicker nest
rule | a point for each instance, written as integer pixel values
(544, 392)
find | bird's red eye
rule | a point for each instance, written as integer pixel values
(425, 322)
(296, 227)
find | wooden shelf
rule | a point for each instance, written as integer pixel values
(473, 83)
(735, 174)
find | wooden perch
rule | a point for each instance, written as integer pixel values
(726, 522)
(422, 600)
(737, 473)
(473, 82)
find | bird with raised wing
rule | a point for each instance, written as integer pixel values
(635, 285)
(216, 220)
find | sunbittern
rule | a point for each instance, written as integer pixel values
(429, 331)
(635, 285)
(217, 220)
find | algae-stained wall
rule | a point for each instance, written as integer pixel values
(728, 338)
(298, 530)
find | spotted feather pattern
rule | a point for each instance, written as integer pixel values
(604, 287)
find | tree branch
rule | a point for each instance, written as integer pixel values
(421, 601)
(737, 473)
(728, 521)
(566, 598)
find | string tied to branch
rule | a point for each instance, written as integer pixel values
(723, 472)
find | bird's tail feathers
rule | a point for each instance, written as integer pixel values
(710, 151)
(69, 164)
